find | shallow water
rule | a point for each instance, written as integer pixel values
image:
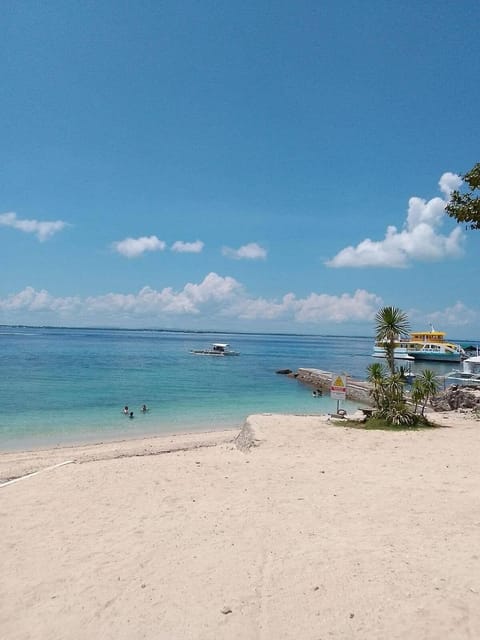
(61, 386)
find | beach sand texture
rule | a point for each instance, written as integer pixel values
(315, 532)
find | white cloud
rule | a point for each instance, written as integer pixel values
(315, 308)
(251, 251)
(187, 247)
(449, 182)
(362, 305)
(418, 241)
(258, 308)
(31, 300)
(213, 292)
(43, 230)
(213, 287)
(214, 295)
(134, 247)
(213, 298)
(458, 315)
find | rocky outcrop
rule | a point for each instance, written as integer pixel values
(455, 398)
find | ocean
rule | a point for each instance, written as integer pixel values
(61, 386)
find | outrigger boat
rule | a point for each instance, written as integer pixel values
(424, 345)
(217, 349)
(468, 376)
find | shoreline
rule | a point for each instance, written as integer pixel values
(15, 463)
(100, 435)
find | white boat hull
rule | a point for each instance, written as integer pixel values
(462, 379)
(398, 354)
(215, 353)
(425, 352)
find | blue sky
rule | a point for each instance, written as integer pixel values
(254, 166)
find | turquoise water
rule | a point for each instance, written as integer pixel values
(61, 386)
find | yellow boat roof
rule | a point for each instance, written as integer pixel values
(428, 336)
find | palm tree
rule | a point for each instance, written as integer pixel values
(416, 394)
(426, 387)
(394, 407)
(376, 377)
(390, 323)
(394, 387)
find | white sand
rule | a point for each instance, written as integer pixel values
(318, 532)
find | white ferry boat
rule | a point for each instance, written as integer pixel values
(217, 349)
(424, 345)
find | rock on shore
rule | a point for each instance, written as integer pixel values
(456, 398)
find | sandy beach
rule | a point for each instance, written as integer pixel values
(295, 528)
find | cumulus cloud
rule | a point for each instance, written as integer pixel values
(419, 240)
(213, 297)
(187, 247)
(251, 251)
(213, 289)
(362, 305)
(217, 295)
(43, 230)
(212, 292)
(449, 182)
(315, 308)
(134, 247)
(457, 315)
(31, 300)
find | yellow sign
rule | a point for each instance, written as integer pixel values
(338, 388)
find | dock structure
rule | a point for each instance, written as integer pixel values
(356, 389)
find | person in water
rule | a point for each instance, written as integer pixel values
(125, 410)
(144, 408)
(131, 415)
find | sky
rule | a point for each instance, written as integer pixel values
(265, 166)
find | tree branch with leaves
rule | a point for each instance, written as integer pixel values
(465, 206)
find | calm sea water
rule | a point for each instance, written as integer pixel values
(61, 386)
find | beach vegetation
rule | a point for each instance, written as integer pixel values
(398, 414)
(376, 375)
(424, 388)
(388, 396)
(464, 207)
(377, 423)
(392, 406)
(390, 323)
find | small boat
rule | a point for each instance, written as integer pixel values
(424, 345)
(469, 375)
(407, 374)
(217, 349)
